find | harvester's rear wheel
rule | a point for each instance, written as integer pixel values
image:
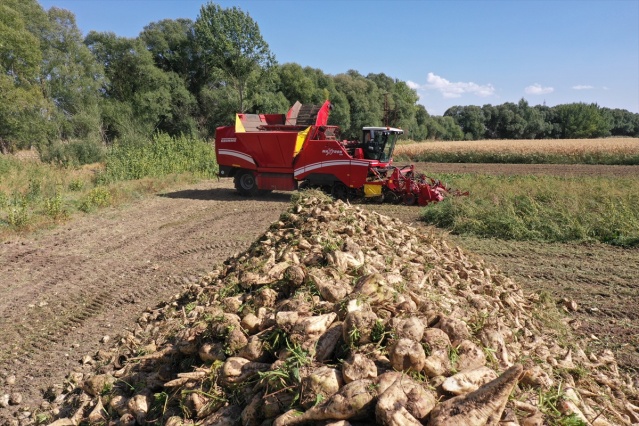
(340, 191)
(245, 183)
(391, 197)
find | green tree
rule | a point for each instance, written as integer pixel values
(72, 78)
(325, 88)
(174, 48)
(580, 120)
(24, 110)
(623, 122)
(470, 119)
(422, 119)
(536, 125)
(444, 129)
(364, 100)
(231, 41)
(509, 122)
(137, 94)
(295, 84)
(397, 101)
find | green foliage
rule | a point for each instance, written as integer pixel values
(548, 403)
(470, 119)
(47, 77)
(18, 216)
(443, 128)
(53, 206)
(73, 153)
(521, 121)
(162, 156)
(542, 208)
(231, 41)
(175, 49)
(97, 197)
(623, 123)
(35, 195)
(364, 100)
(581, 120)
(138, 95)
(76, 184)
(287, 377)
(72, 78)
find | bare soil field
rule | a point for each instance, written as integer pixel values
(65, 289)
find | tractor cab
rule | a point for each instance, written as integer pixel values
(378, 143)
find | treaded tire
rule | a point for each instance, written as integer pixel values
(340, 191)
(245, 183)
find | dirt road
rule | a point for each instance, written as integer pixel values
(63, 290)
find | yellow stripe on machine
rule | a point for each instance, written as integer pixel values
(301, 137)
(372, 190)
(239, 127)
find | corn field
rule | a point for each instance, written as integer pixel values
(553, 151)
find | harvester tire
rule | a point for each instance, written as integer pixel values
(409, 199)
(245, 183)
(391, 197)
(340, 191)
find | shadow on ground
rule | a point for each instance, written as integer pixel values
(220, 194)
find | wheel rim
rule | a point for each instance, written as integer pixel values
(409, 199)
(247, 181)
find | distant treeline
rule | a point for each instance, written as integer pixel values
(70, 96)
(521, 121)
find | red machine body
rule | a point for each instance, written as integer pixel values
(283, 151)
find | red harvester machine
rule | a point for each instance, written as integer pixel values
(264, 152)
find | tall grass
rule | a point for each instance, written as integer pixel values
(162, 156)
(542, 208)
(609, 151)
(35, 195)
(31, 193)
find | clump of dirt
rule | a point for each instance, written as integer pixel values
(337, 315)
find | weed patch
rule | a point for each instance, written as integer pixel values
(542, 208)
(97, 197)
(159, 157)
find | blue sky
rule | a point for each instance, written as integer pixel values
(455, 52)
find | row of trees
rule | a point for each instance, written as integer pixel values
(188, 77)
(521, 121)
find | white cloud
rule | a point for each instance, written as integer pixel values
(450, 89)
(413, 85)
(537, 89)
(582, 87)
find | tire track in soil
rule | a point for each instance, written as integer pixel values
(64, 289)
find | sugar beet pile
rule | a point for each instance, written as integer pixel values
(339, 316)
